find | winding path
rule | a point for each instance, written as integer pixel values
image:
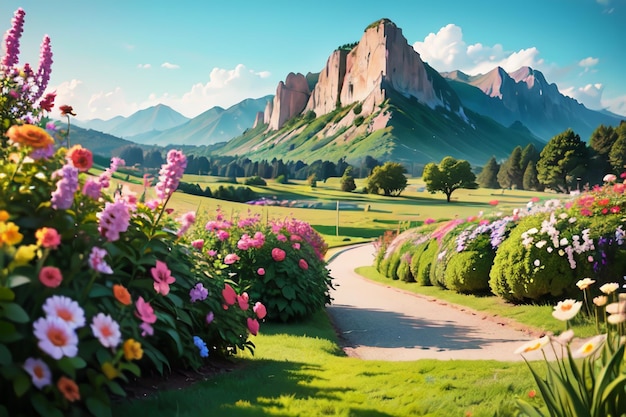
(380, 322)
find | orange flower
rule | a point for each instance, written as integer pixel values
(4, 215)
(68, 388)
(132, 350)
(81, 158)
(121, 294)
(30, 135)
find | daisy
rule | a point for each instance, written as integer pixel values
(567, 309)
(38, 371)
(535, 344)
(590, 346)
(106, 330)
(65, 309)
(56, 337)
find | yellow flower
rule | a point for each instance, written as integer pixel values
(609, 288)
(4, 215)
(583, 284)
(110, 371)
(132, 350)
(600, 300)
(24, 254)
(10, 234)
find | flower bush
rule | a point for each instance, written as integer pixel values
(280, 263)
(95, 286)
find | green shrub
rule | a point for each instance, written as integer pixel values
(424, 265)
(468, 271)
(256, 180)
(394, 262)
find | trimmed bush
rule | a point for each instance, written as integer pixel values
(425, 262)
(468, 271)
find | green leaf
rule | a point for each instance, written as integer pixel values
(21, 384)
(5, 355)
(43, 406)
(99, 290)
(8, 333)
(66, 365)
(175, 336)
(134, 369)
(115, 388)
(289, 293)
(17, 280)
(98, 408)
(528, 409)
(6, 294)
(176, 300)
(14, 312)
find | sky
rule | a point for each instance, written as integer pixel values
(115, 57)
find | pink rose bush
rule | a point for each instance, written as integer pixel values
(96, 287)
(281, 264)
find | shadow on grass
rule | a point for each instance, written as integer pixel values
(365, 232)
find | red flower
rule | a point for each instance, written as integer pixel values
(532, 393)
(278, 254)
(47, 103)
(260, 310)
(615, 209)
(253, 326)
(50, 276)
(494, 202)
(603, 202)
(242, 300)
(229, 294)
(535, 199)
(81, 158)
(303, 264)
(67, 110)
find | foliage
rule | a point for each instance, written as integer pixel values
(590, 381)
(448, 176)
(530, 181)
(347, 181)
(389, 178)
(488, 176)
(256, 181)
(510, 173)
(280, 263)
(562, 161)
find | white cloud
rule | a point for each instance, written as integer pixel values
(590, 95)
(168, 65)
(144, 66)
(616, 105)
(588, 62)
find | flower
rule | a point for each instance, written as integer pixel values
(201, 345)
(63, 195)
(145, 312)
(113, 220)
(533, 345)
(198, 244)
(30, 135)
(39, 372)
(565, 337)
(231, 258)
(132, 350)
(600, 300)
(260, 271)
(110, 371)
(24, 254)
(121, 294)
(493, 202)
(97, 262)
(198, 293)
(229, 294)
(81, 158)
(609, 288)
(259, 310)
(66, 309)
(429, 221)
(566, 309)
(68, 388)
(303, 264)
(209, 317)
(12, 39)
(170, 174)
(242, 300)
(590, 346)
(56, 337)
(10, 234)
(253, 325)
(609, 178)
(48, 238)
(532, 393)
(278, 254)
(146, 329)
(50, 276)
(162, 278)
(583, 284)
(66, 110)
(106, 330)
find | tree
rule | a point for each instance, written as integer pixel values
(132, 155)
(510, 174)
(530, 153)
(603, 139)
(347, 180)
(617, 155)
(389, 178)
(530, 181)
(562, 162)
(488, 176)
(450, 175)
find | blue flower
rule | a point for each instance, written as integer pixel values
(201, 345)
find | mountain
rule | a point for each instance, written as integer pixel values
(155, 118)
(97, 142)
(213, 126)
(379, 99)
(525, 96)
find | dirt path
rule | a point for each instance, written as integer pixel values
(385, 323)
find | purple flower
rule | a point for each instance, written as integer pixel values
(63, 196)
(45, 68)
(198, 293)
(12, 39)
(114, 219)
(92, 189)
(97, 262)
(170, 174)
(210, 317)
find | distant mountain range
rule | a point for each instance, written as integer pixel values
(377, 98)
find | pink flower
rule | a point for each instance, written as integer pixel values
(253, 326)
(186, 221)
(39, 372)
(609, 178)
(198, 244)
(261, 271)
(281, 237)
(242, 300)
(146, 329)
(66, 186)
(48, 238)
(259, 310)
(162, 278)
(229, 294)
(209, 317)
(535, 199)
(145, 312)
(97, 262)
(278, 254)
(50, 276)
(211, 252)
(303, 264)
(113, 220)
(222, 235)
(92, 188)
(231, 258)
(56, 337)
(106, 330)
(429, 221)
(170, 174)
(296, 246)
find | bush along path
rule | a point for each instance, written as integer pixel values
(99, 286)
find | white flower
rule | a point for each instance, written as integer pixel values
(66, 309)
(590, 346)
(56, 337)
(572, 219)
(566, 309)
(537, 262)
(565, 337)
(563, 216)
(106, 330)
(609, 288)
(39, 372)
(600, 300)
(533, 345)
(609, 178)
(541, 244)
(583, 284)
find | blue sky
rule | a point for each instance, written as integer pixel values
(114, 57)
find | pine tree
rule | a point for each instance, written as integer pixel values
(488, 176)
(510, 173)
(530, 181)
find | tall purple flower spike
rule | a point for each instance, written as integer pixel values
(12, 39)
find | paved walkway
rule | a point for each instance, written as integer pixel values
(381, 322)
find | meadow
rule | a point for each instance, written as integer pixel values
(300, 369)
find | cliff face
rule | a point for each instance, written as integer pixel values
(382, 59)
(290, 99)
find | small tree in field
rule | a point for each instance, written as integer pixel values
(450, 175)
(389, 178)
(347, 180)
